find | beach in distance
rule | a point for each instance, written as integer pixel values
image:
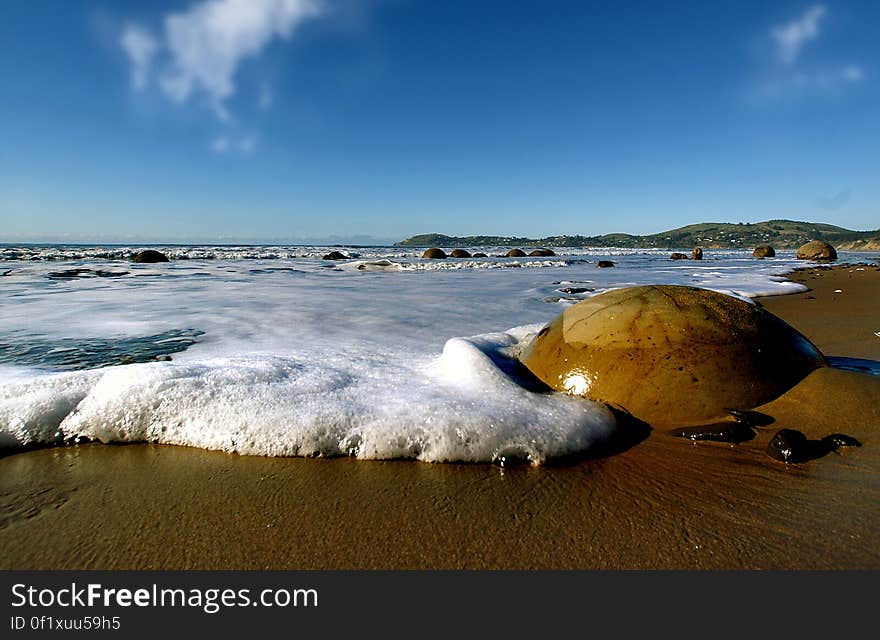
(272, 408)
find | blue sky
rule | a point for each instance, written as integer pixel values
(296, 120)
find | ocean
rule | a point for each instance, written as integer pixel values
(274, 351)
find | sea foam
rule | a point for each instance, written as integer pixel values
(462, 406)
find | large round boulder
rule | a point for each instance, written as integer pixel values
(544, 253)
(697, 253)
(678, 256)
(764, 251)
(817, 250)
(149, 256)
(434, 254)
(671, 355)
(516, 253)
(335, 255)
(460, 253)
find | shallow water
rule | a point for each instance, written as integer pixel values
(278, 352)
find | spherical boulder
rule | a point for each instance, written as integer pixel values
(697, 253)
(150, 256)
(479, 254)
(817, 250)
(542, 253)
(678, 256)
(460, 253)
(516, 253)
(764, 251)
(434, 254)
(335, 255)
(671, 355)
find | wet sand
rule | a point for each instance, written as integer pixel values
(657, 502)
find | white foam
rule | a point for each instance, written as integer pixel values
(33, 404)
(458, 407)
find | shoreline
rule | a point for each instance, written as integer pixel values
(659, 503)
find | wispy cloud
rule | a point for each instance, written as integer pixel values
(141, 47)
(792, 36)
(239, 143)
(852, 73)
(784, 72)
(836, 201)
(196, 54)
(209, 42)
(220, 144)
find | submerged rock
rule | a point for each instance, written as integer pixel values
(150, 256)
(542, 253)
(764, 251)
(69, 274)
(479, 254)
(817, 250)
(604, 264)
(697, 254)
(434, 254)
(516, 253)
(671, 355)
(574, 289)
(678, 256)
(460, 253)
(336, 255)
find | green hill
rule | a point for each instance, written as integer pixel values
(781, 234)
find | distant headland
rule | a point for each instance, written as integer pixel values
(782, 234)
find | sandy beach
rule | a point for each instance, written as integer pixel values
(650, 502)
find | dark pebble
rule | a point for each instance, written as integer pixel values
(788, 445)
(842, 440)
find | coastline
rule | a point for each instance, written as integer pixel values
(662, 503)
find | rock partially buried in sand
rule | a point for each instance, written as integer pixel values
(764, 251)
(460, 253)
(434, 254)
(671, 355)
(791, 446)
(336, 255)
(479, 254)
(516, 253)
(150, 256)
(678, 256)
(697, 254)
(542, 253)
(817, 250)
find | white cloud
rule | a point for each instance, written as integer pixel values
(791, 37)
(141, 48)
(785, 75)
(203, 47)
(852, 73)
(220, 144)
(245, 144)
